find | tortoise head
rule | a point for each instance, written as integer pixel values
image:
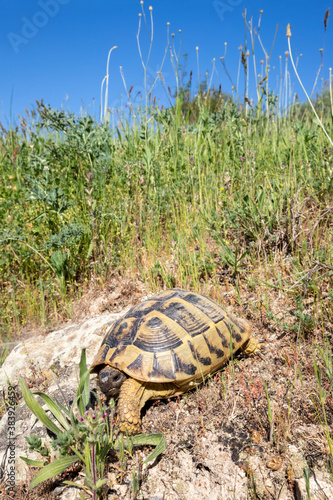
(110, 380)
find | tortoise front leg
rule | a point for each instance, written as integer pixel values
(129, 406)
(133, 396)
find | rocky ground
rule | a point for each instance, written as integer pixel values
(223, 442)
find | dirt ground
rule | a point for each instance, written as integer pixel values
(222, 434)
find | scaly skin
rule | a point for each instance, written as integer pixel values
(133, 395)
(252, 346)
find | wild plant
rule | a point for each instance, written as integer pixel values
(3, 354)
(324, 392)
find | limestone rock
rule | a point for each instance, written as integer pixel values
(58, 351)
(321, 486)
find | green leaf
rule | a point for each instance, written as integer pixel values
(82, 407)
(83, 363)
(158, 450)
(87, 458)
(81, 457)
(53, 407)
(73, 418)
(306, 473)
(36, 408)
(84, 385)
(71, 483)
(90, 249)
(62, 407)
(33, 463)
(53, 469)
(157, 440)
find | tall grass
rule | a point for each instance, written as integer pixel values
(78, 202)
(177, 196)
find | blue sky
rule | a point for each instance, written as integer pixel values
(57, 49)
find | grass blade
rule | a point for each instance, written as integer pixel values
(33, 463)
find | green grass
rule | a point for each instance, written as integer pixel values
(173, 196)
(175, 205)
(209, 195)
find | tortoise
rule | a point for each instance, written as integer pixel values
(163, 347)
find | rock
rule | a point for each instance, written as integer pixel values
(214, 477)
(269, 482)
(58, 351)
(209, 461)
(273, 482)
(321, 487)
(298, 462)
(119, 491)
(67, 492)
(319, 481)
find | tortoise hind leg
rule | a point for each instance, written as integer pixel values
(133, 396)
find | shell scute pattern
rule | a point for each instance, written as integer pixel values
(176, 336)
(124, 332)
(155, 334)
(200, 352)
(213, 349)
(142, 309)
(187, 316)
(215, 312)
(181, 366)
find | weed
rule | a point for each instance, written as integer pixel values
(214, 193)
(270, 413)
(83, 435)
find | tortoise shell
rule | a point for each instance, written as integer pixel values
(175, 336)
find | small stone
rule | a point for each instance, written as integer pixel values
(298, 462)
(274, 463)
